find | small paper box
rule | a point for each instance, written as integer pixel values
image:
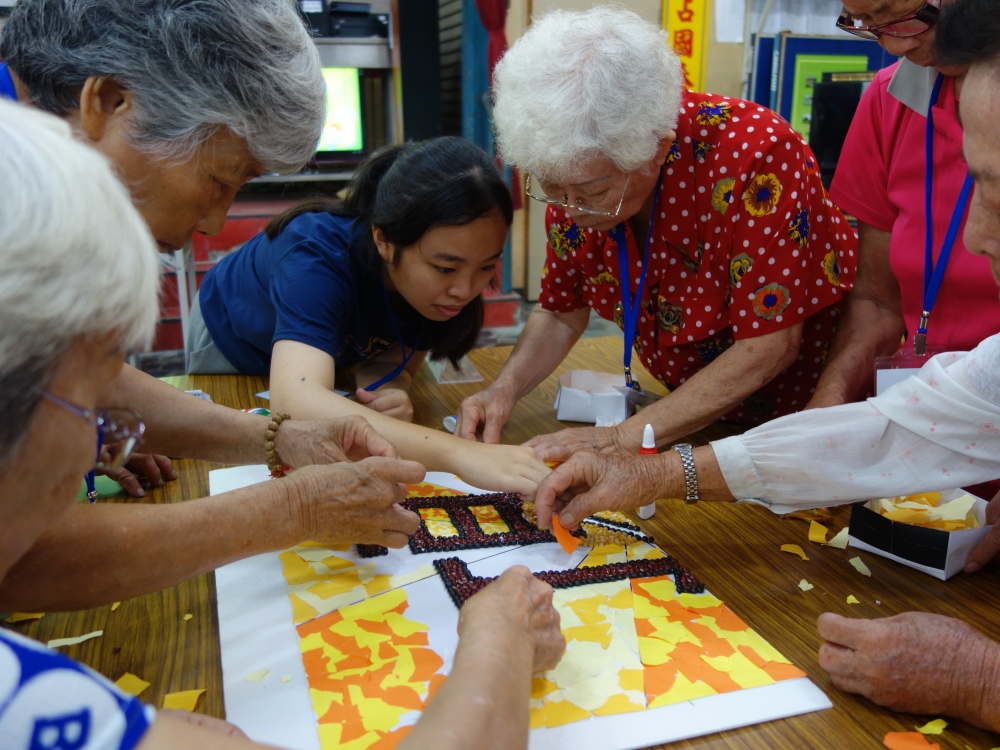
(938, 553)
(586, 396)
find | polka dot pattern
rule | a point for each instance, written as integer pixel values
(745, 243)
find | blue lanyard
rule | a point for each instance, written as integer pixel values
(406, 357)
(7, 90)
(631, 306)
(91, 477)
(934, 272)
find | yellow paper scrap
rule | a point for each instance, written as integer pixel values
(852, 599)
(286, 678)
(805, 585)
(185, 700)
(817, 532)
(57, 642)
(840, 539)
(859, 565)
(933, 727)
(958, 509)
(188, 616)
(904, 515)
(795, 550)
(257, 676)
(131, 684)
(115, 606)
(22, 616)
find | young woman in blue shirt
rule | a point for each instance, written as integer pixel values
(375, 282)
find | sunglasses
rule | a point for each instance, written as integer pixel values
(912, 25)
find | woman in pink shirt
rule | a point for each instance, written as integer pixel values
(881, 180)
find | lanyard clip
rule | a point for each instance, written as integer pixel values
(920, 338)
(629, 382)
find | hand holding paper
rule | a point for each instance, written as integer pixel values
(354, 502)
(916, 663)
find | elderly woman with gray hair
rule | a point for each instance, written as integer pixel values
(697, 222)
(78, 284)
(189, 99)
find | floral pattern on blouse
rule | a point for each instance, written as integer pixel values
(746, 243)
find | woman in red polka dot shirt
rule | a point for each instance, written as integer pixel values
(747, 257)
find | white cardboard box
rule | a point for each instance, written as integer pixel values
(586, 396)
(937, 553)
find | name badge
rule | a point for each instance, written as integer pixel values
(900, 366)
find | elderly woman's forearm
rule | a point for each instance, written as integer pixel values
(546, 340)
(97, 554)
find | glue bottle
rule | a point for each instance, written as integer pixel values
(648, 449)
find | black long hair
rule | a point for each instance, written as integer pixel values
(407, 190)
(968, 33)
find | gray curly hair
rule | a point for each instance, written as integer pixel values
(602, 82)
(193, 66)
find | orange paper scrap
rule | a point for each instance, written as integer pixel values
(817, 532)
(131, 684)
(795, 550)
(185, 700)
(566, 540)
(908, 741)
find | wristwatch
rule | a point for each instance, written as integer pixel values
(690, 475)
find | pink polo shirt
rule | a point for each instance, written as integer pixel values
(880, 180)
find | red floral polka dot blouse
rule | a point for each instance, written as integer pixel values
(746, 242)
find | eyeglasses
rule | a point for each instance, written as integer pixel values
(120, 430)
(911, 25)
(578, 205)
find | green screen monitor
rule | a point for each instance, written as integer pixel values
(342, 133)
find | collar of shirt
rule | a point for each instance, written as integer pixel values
(911, 86)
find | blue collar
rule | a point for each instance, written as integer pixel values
(7, 90)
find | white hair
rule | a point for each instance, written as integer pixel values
(193, 66)
(577, 85)
(76, 259)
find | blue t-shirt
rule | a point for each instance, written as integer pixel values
(50, 702)
(7, 90)
(310, 285)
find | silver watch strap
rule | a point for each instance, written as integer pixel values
(690, 475)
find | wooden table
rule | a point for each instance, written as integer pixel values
(733, 549)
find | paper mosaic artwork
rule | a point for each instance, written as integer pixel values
(651, 656)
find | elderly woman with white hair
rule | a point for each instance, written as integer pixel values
(78, 283)
(697, 222)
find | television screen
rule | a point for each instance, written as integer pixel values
(342, 131)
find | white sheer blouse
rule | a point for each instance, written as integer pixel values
(936, 430)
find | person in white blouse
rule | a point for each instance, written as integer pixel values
(937, 430)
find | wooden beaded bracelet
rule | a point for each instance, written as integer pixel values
(274, 464)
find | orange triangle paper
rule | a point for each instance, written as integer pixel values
(566, 540)
(908, 741)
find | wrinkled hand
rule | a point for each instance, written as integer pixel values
(916, 663)
(516, 604)
(327, 441)
(591, 482)
(154, 469)
(486, 411)
(562, 445)
(393, 402)
(208, 723)
(352, 503)
(500, 468)
(987, 549)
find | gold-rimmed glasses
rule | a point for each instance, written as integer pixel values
(578, 205)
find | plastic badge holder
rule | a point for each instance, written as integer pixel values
(937, 553)
(900, 366)
(447, 374)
